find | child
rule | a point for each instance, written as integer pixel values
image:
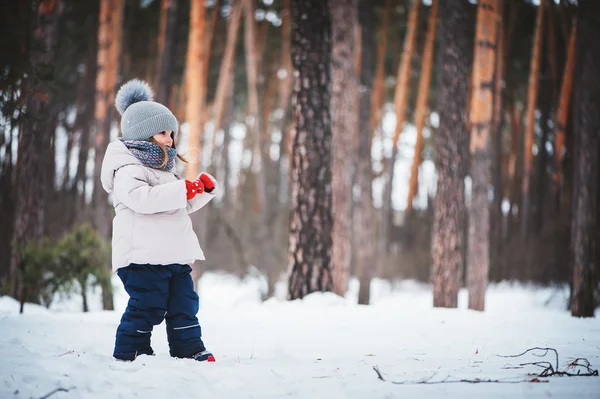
(153, 243)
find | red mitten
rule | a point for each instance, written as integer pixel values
(193, 188)
(208, 181)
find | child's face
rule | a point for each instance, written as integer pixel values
(164, 138)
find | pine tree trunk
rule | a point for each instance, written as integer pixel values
(311, 219)
(478, 256)
(364, 215)
(498, 145)
(35, 137)
(285, 90)
(379, 86)
(85, 120)
(586, 195)
(195, 86)
(530, 118)
(166, 50)
(226, 69)
(255, 124)
(343, 124)
(422, 101)
(563, 108)
(451, 136)
(400, 105)
(109, 44)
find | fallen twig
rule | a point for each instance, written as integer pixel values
(446, 380)
(46, 396)
(574, 369)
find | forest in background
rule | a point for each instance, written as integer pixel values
(503, 95)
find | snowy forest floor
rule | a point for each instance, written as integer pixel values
(321, 347)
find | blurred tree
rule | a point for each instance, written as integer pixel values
(481, 122)
(532, 94)
(401, 95)
(422, 103)
(585, 221)
(109, 49)
(166, 48)
(364, 239)
(35, 133)
(344, 91)
(450, 137)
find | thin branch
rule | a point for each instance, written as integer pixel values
(572, 370)
(533, 349)
(46, 396)
(448, 381)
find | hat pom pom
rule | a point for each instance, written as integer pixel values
(132, 92)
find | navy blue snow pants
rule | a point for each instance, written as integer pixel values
(157, 293)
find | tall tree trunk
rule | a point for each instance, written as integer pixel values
(498, 144)
(530, 118)
(226, 69)
(343, 125)
(478, 256)
(255, 124)
(400, 104)
(584, 225)
(422, 101)
(563, 109)
(34, 141)
(451, 136)
(195, 87)
(364, 215)
(379, 86)
(84, 120)
(310, 206)
(109, 44)
(195, 84)
(166, 50)
(285, 90)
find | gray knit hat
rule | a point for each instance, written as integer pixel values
(141, 117)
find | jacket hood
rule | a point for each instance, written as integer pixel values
(115, 157)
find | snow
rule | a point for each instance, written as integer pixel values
(324, 346)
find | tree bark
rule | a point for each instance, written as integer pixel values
(226, 69)
(109, 45)
(166, 50)
(451, 136)
(586, 195)
(498, 143)
(379, 86)
(400, 104)
(530, 117)
(34, 141)
(422, 103)
(195, 85)
(84, 120)
(364, 215)
(478, 256)
(343, 123)
(563, 108)
(254, 122)
(310, 243)
(285, 90)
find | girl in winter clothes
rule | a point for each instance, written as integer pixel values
(153, 243)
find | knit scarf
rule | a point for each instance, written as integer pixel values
(150, 154)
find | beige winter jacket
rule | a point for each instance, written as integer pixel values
(152, 223)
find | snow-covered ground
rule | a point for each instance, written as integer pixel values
(321, 347)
